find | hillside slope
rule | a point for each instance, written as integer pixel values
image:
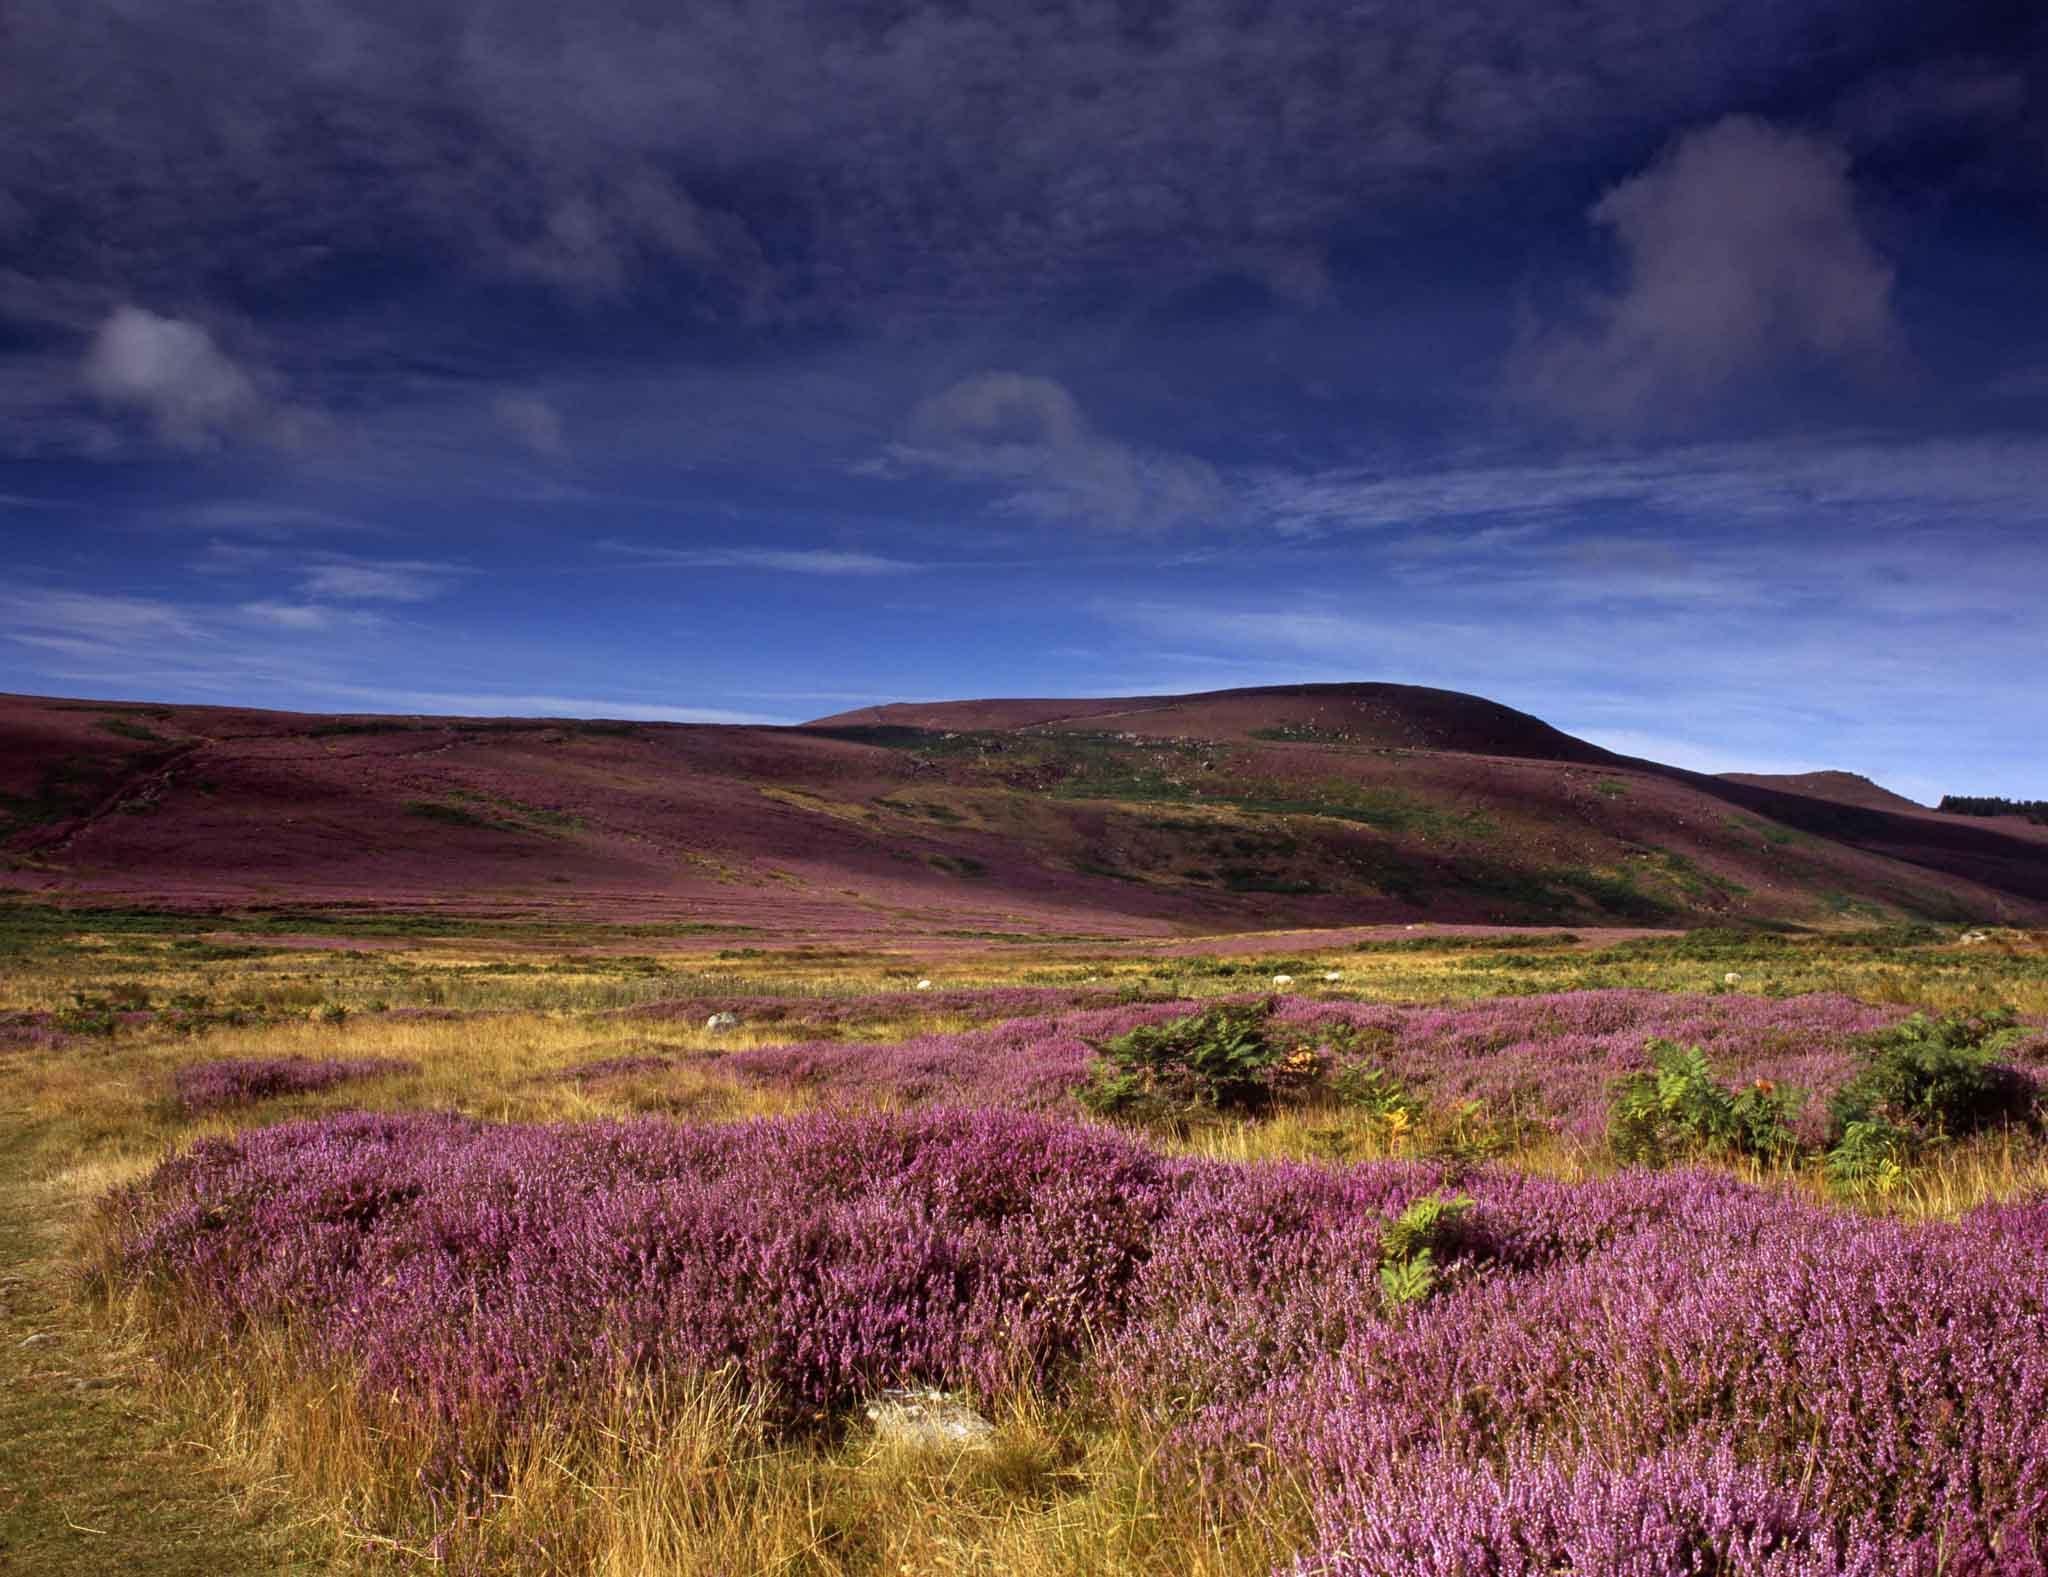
(1318, 806)
(1844, 788)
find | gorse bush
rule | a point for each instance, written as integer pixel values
(1676, 1107)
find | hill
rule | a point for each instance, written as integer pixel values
(1241, 810)
(1844, 788)
(1390, 716)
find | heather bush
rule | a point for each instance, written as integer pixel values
(1658, 1373)
(212, 1086)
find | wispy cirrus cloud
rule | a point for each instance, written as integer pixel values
(368, 580)
(782, 561)
(305, 617)
(107, 622)
(1994, 479)
(256, 518)
(471, 703)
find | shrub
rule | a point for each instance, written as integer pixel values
(1869, 1157)
(1373, 1089)
(1223, 1060)
(1677, 1107)
(1935, 1078)
(240, 1081)
(1411, 1244)
(89, 1015)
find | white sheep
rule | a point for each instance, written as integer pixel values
(1283, 980)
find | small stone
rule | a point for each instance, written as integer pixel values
(1333, 974)
(719, 1023)
(924, 985)
(927, 1419)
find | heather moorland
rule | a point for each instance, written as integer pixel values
(1444, 1249)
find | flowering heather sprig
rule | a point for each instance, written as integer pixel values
(1678, 1512)
(1659, 1373)
(241, 1081)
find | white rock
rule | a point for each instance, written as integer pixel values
(927, 1419)
(1283, 980)
(719, 1023)
(924, 985)
(1733, 977)
(1333, 974)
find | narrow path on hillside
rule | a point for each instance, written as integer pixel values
(93, 1479)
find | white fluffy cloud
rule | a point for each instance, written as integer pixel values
(172, 373)
(1742, 252)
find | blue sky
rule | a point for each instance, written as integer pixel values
(1674, 369)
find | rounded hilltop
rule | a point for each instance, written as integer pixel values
(1371, 716)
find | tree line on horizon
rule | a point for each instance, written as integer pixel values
(2035, 810)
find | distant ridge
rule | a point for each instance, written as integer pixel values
(1383, 716)
(1843, 788)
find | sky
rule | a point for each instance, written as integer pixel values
(1676, 370)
